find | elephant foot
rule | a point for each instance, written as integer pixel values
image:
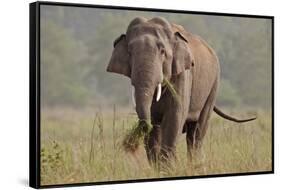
(167, 160)
(197, 161)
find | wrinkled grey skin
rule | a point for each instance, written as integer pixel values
(153, 49)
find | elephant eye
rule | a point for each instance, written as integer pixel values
(162, 51)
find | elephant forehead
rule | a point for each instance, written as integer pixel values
(144, 43)
(144, 29)
(141, 29)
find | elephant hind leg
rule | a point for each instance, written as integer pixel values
(195, 131)
(191, 138)
(152, 144)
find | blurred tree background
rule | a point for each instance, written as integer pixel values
(76, 45)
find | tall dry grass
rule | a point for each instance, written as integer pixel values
(86, 146)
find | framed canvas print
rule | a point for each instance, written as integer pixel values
(122, 94)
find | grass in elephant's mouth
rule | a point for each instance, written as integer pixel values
(171, 89)
(75, 151)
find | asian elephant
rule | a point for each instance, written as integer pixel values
(154, 50)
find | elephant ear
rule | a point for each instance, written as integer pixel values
(119, 61)
(182, 56)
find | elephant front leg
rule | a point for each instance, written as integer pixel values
(170, 125)
(152, 144)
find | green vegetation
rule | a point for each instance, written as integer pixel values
(77, 44)
(75, 148)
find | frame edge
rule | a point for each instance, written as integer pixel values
(34, 97)
(34, 146)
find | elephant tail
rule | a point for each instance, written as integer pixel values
(225, 116)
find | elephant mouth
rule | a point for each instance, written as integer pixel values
(158, 94)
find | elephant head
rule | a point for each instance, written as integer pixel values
(150, 51)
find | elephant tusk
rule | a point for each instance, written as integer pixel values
(133, 96)
(158, 92)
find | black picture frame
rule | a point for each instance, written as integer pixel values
(34, 98)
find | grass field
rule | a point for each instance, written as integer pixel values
(85, 146)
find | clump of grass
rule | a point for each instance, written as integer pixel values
(136, 134)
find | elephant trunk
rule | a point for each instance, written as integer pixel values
(143, 100)
(144, 97)
(145, 77)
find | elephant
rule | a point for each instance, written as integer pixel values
(152, 50)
